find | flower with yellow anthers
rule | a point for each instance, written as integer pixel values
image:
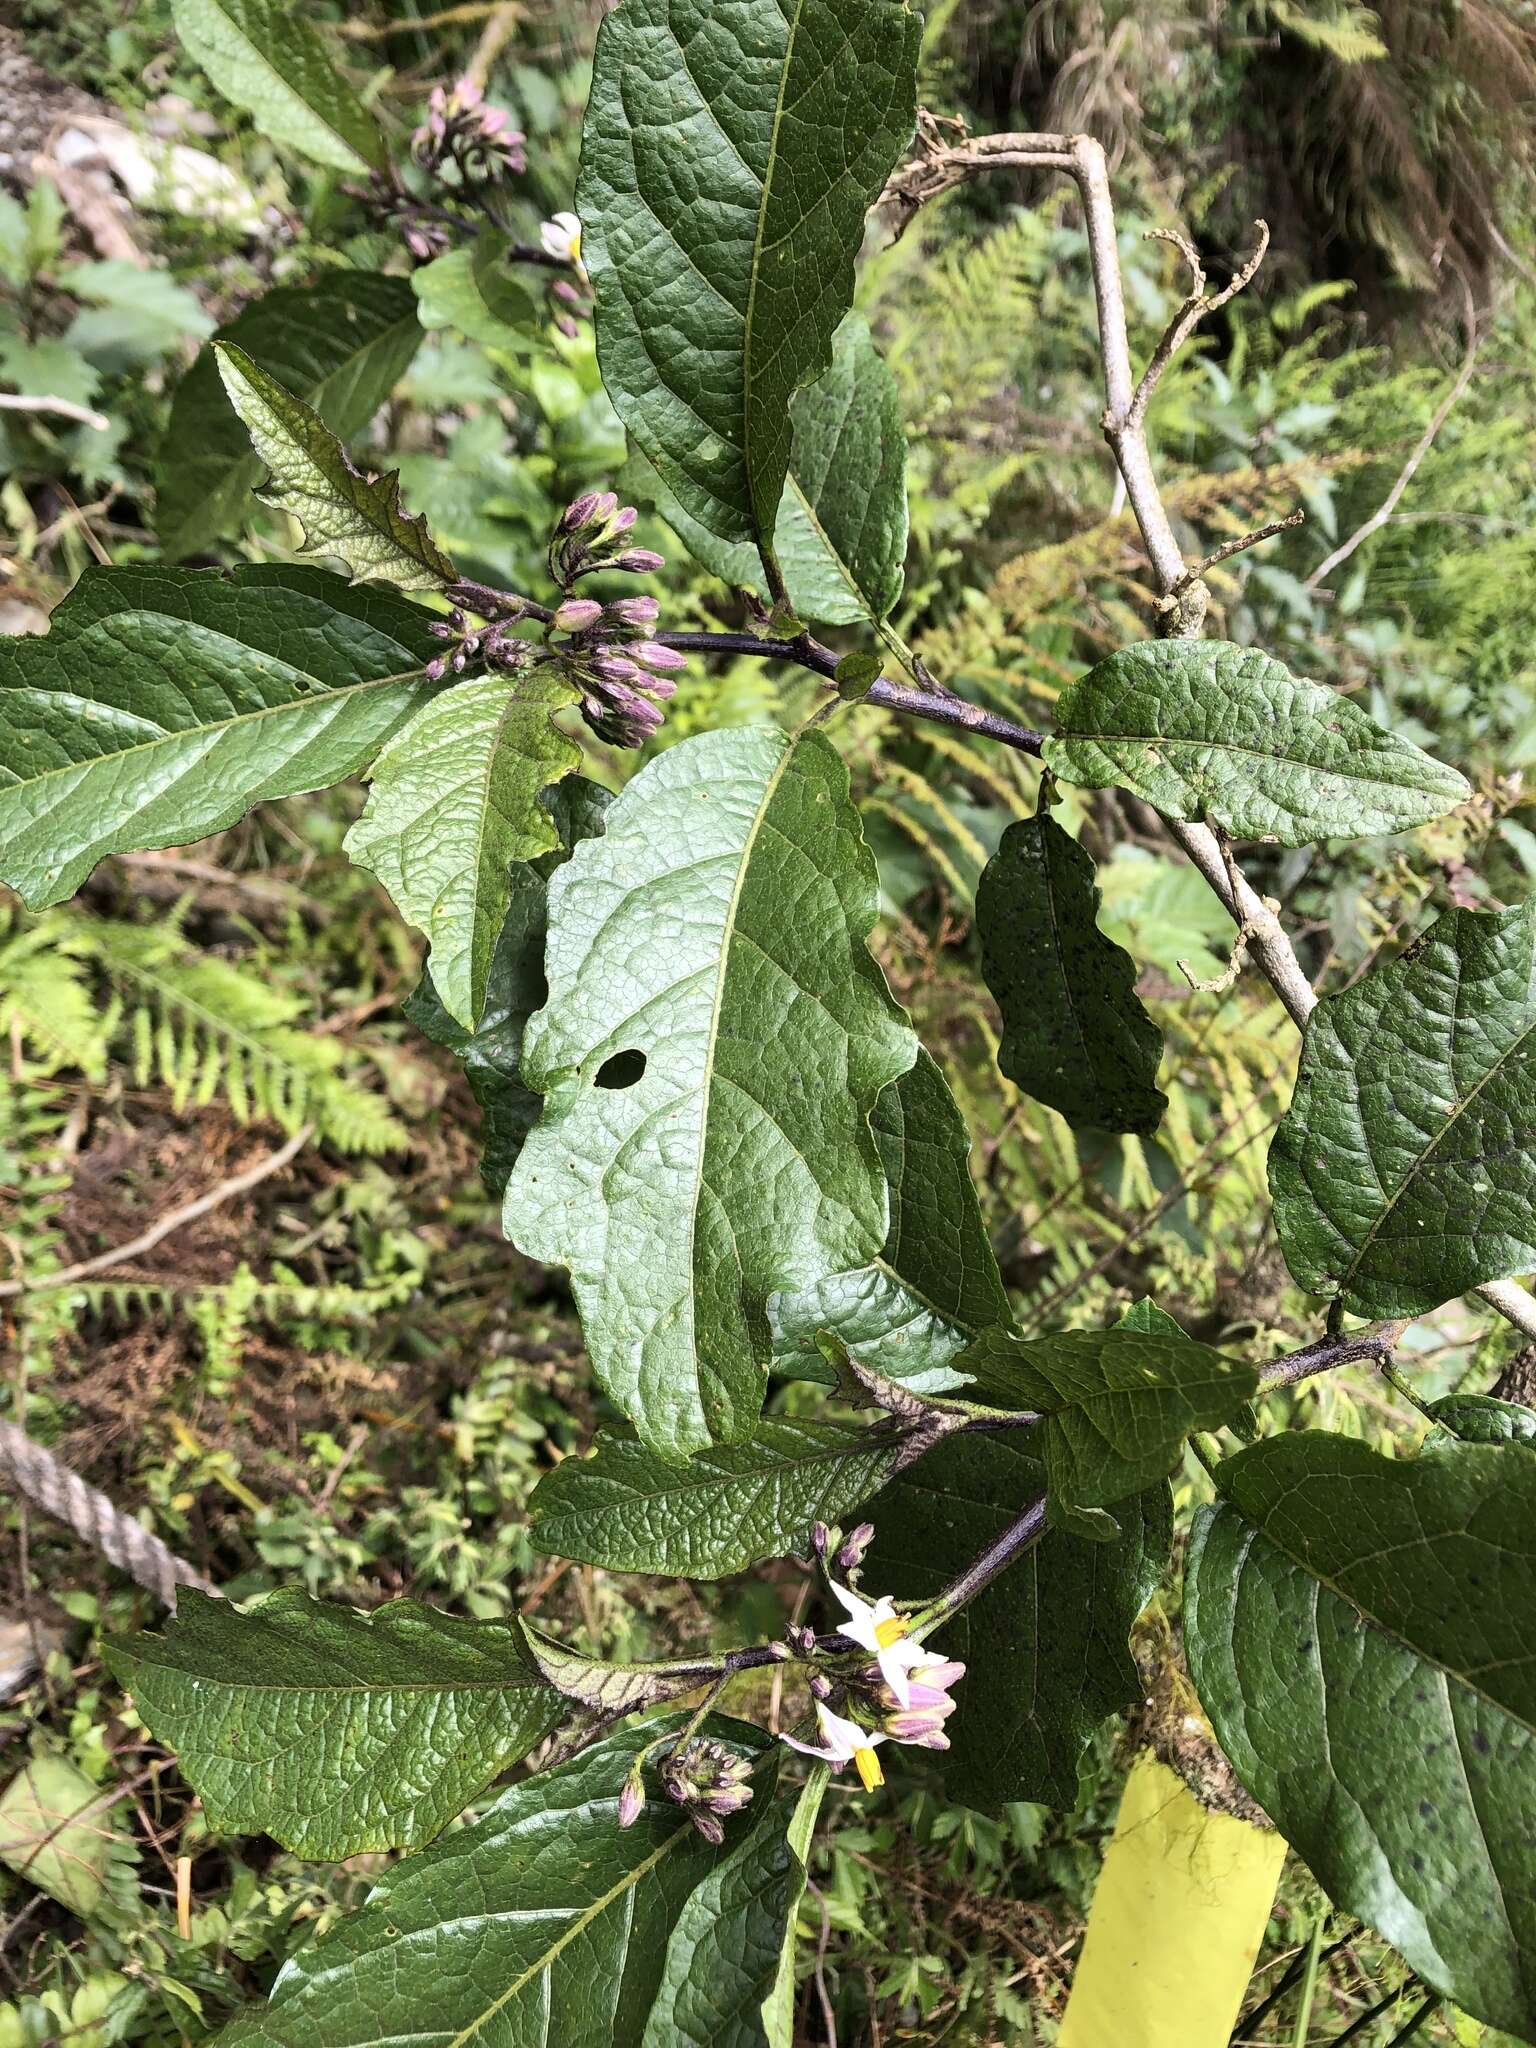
(561, 238)
(876, 1626)
(845, 1742)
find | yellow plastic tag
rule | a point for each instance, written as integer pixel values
(1177, 1919)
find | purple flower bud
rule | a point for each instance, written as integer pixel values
(821, 1535)
(581, 512)
(851, 1556)
(613, 668)
(567, 293)
(567, 326)
(620, 522)
(780, 1652)
(801, 1640)
(635, 611)
(660, 687)
(631, 1800)
(436, 670)
(577, 613)
(915, 1724)
(460, 661)
(710, 1828)
(640, 561)
(441, 629)
(821, 1686)
(467, 93)
(654, 655)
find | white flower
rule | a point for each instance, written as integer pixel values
(846, 1742)
(876, 1626)
(561, 238)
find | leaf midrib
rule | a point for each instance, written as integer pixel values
(749, 329)
(1395, 1635)
(1420, 1164)
(1174, 741)
(174, 735)
(260, 58)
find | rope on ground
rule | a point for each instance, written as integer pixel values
(48, 1483)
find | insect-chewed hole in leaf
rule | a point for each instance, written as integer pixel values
(621, 1070)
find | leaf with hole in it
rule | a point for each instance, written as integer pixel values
(1075, 1035)
(911, 1311)
(1116, 1405)
(162, 704)
(628, 1510)
(455, 801)
(514, 989)
(330, 1730)
(341, 346)
(1404, 1171)
(715, 1038)
(841, 534)
(728, 158)
(1205, 729)
(1361, 1634)
(354, 518)
(269, 60)
(1046, 1645)
(545, 1921)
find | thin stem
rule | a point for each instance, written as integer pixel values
(1251, 2020)
(1309, 1984)
(1026, 1529)
(1376, 1343)
(936, 705)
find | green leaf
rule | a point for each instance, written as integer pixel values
(1404, 1171)
(455, 800)
(728, 158)
(630, 1511)
(546, 1922)
(1075, 1035)
(715, 1038)
(471, 290)
(270, 61)
(1045, 1644)
(330, 1730)
(841, 534)
(1361, 1634)
(514, 989)
(1204, 729)
(57, 1833)
(779, 2006)
(163, 703)
(911, 1311)
(354, 518)
(340, 345)
(1480, 1419)
(1117, 1404)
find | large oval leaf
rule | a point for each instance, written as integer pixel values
(729, 154)
(911, 1311)
(545, 1922)
(492, 1053)
(268, 59)
(1075, 1035)
(715, 1039)
(456, 799)
(841, 536)
(331, 1730)
(1362, 1635)
(1404, 1172)
(1204, 729)
(1115, 1405)
(354, 518)
(341, 346)
(1046, 1645)
(163, 703)
(630, 1511)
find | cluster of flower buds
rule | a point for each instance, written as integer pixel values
(494, 645)
(840, 1552)
(928, 1705)
(623, 672)
(708, 1780)
(461, 130)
